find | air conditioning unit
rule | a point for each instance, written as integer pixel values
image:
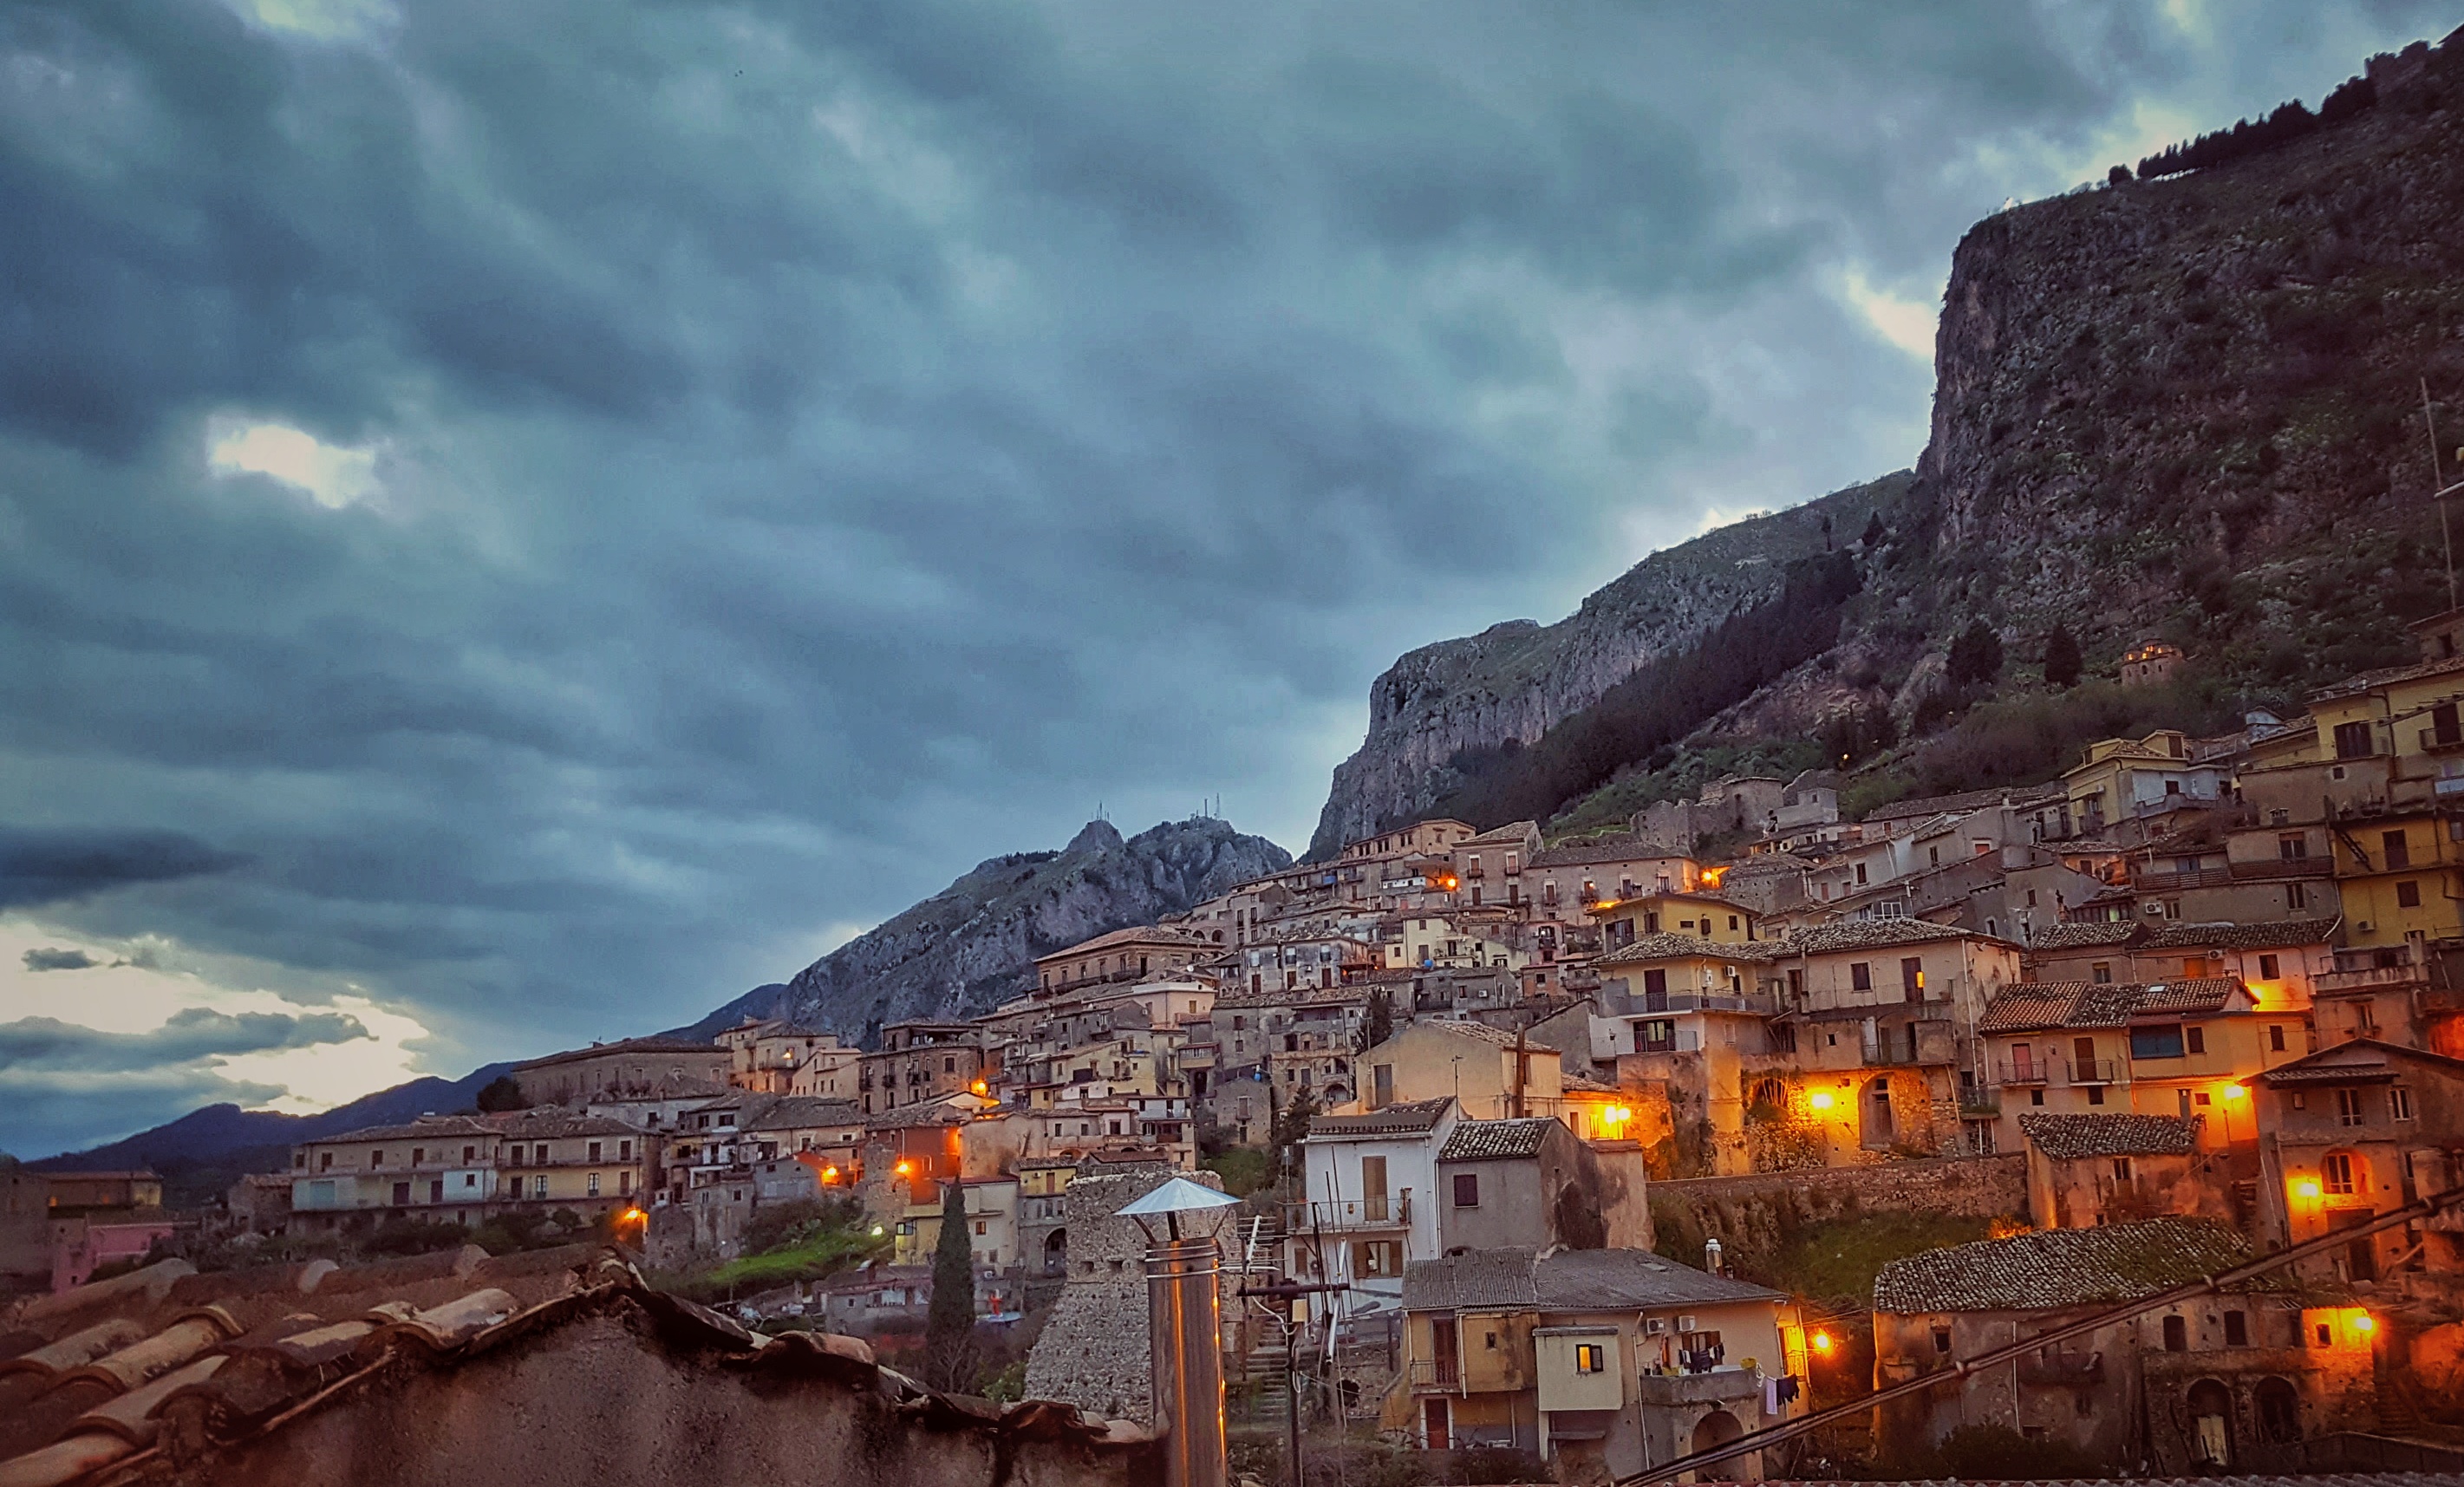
(2366, 926)
(1685, 1323)
(1654, 1326)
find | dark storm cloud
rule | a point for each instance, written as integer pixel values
(47, 866)
(46, 1045)
(810, 448)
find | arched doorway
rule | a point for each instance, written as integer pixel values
(2211, 1430)
(2279, 1412)
(1056, 1253)
(1874, 1128)
(1715, 1430)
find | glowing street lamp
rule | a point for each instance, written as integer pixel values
(1823, 1343)
(1819, 1100)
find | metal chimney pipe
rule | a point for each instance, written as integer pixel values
(1186, 1342)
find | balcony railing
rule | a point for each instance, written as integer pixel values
(2022, 1076)
(2372, 978)
(1381, 1210)
(2095, 1070)
(1436, 1373)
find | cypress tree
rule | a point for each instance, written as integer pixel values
(2061, 657)
(950, 1324)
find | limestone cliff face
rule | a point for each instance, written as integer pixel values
(973, 944)
(2187, 408)
(1516, 680)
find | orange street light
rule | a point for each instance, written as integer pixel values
(831, 1174)
(1823, 1343)
(905, 1169)
(2306, 1189)
(1819, 1100)
(2364, 1323)
(2235, 1091)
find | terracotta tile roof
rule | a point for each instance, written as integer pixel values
(2084, 936)
(2069, 1138)
(653, 1045)
(1966, 801)
(793, 1111)
(1666, 945)
(1584, 1084)
(2034, 1005)
(550, 1123)
(2245, 936)
(1518, 1279)
(2360, 1061)
(1143, 934)
(102, 1394)
(2058, 1267)
(1491, 1141)
(426, 1126)
(2363, 681)
(1403, 1120)
(1867, 934)
(1506, 835)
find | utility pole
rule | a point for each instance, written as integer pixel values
(2440, 488)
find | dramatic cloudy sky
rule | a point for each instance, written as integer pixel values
(519, 522)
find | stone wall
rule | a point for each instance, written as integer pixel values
(1093, 1349)
(1754, 1210)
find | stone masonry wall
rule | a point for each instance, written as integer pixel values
(1753, 1210)
(1093, 1349)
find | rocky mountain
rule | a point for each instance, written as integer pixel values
(1518, 680)
(973, 944)
(2186, 408)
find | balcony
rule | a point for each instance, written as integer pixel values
(2023, 1076)
(1719, 1386)
(1979, 1101)
(1435, 1374)
(2095, 1070)
(2373, 978)
(2434, 741)
(1385, 1210)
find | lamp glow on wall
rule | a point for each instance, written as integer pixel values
(1819, 1100)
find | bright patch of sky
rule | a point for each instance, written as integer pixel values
(333, 475)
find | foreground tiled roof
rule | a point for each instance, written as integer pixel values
(2068, 1138)
(236, 1358)
(1490, 1141)
(2033, 1005)
(2058, 1267)
(1403, 1120)
(1565, 1280)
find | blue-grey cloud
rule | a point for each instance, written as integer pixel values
(53, 958)
(46, 1045)
(47, 866)
(811, 448)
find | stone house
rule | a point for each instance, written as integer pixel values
(1684, 1015)
(439, 1168)
(1124, 955)
(920, 1062)
(1093, 1349)
(2183, 1048)
(2086, 1171)
(1480, 1067)
(1533, 1183)
(1572, 878)
(1490, 867)
(769, 1053)
(1600, 1361)
(1370, 1204)
(2354, 1131)
(614, 1070)
(2096, 1392)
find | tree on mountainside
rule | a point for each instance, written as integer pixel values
(1292, 1124)
(2061, 657)
(1976, 656)
(949, 1323)
(1875, 531)
(501, 1094)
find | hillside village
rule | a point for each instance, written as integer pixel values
(2193, 1003)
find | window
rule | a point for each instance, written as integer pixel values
(1591, 1358)
(2102, 973)
(2399, 1103)
(2348, 1107)
(2267, 967)
(2122, 1169)
(2177, 1335)
(590, 1188)
(2096, 1094)
(2408, 895)
(1941, 1340)
(538, 1186)
(624, 1151)
(418, 1156)
(981, 1225)
(1467, 1189)
(400, 1194)
(2293, 845)
(594, 1151)
(2352, 740)
(1860, 976)
(2397, 854)
(1912, 978)
(2296, 896)
(2336, 1171)
(2236, 1329)
(376, 1158)
(1861, 875)
(2276, 1038)
(2159, 1042)
(2195, 1039)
